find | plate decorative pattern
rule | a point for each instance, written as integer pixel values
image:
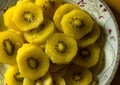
(101, 13)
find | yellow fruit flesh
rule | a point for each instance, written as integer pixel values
(78, 76)
(100, 65)
(58, 80)
(57, 55)
(40, 34)
(45, 80)
(8, 18)
(89, 57)
(91, 37)
(27, 16)
(76, 23)
(10, 42)
(35, 34)
(60, 12)
(12, 76)
(32, 62)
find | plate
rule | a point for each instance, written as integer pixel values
(101, 13)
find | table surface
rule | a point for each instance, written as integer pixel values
(116, 80)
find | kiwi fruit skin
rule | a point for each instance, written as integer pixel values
(91, 37)
(13, 77)
(78, 76)
(32, 70)
(42, 33)
(10, 42)
(91, 57)
(69, 48)
(77, 23)
(60, 12)
(27, 16)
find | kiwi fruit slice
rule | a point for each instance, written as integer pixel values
(49, 6)
(13, 76)
(102, 39)
(10, 42)
(27, 16)
(60, 12)
(45, 80)
(91, 37)
(87, 56)
(40, 34)
(58, 80)
(61, 48)
(32, 62)
(78, 76)
(100, 65)
(77, 23)
(7, 16)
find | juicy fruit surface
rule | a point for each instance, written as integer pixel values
(61, 48)
(60, 12)
(32, 61)
(78, 76)
(50, 42)
(58, 80)
(42, 33)
(27, 16)
(12, 76)
(8, 18)
(10, 42)
(45, 80)
(76, 23)
(91, 37)
(88, 56)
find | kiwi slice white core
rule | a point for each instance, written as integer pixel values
(28, 16)
(77, 22)
(61, 47)
(8, 47)
(33, 63)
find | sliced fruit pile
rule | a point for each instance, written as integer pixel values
(50, 42)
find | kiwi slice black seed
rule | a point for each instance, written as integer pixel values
(32, 62)
(10, 42)
(41, 34)
(27, 16)
(91, 37)
(61, 48)
(77, 23)
(78, 76)
(87, 56)
(13, 76)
